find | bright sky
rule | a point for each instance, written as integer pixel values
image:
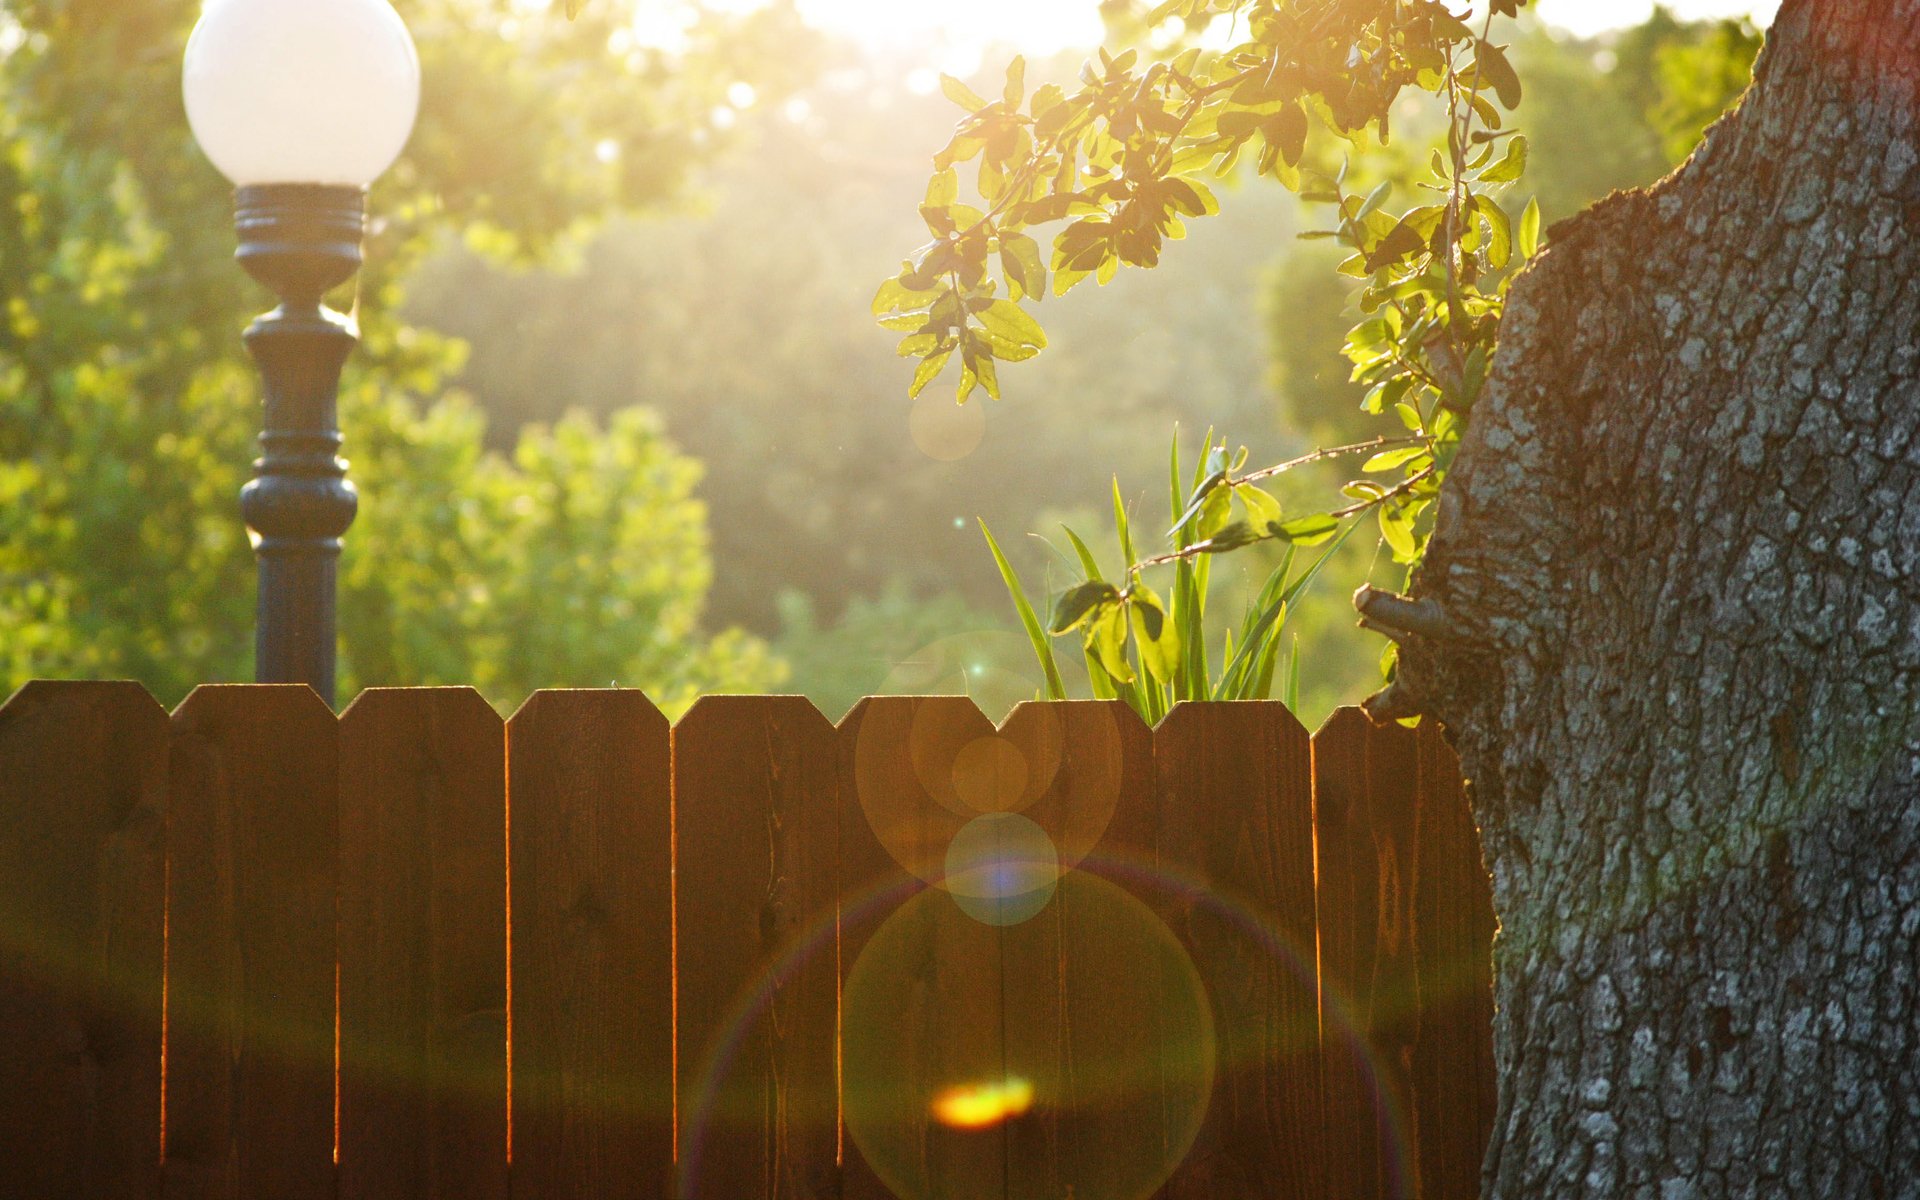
(1041, 26)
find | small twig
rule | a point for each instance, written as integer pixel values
(1396, 491)
(1380, 443)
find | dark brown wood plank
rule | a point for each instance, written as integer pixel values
(1102, 1007)
(1452, 1058)
(1364, 782)
(423, 927)
(591, 955)
(252, 846)
(899, 809)
(1236, 818)
(82, 871)
(756, 804)
(1347, 893)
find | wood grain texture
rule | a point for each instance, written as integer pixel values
(82, 877)
(591, 1007)
(252, 845)
(1096, 1012)
(423, 974)
(1452, 1055)
(1236, 819)
(899, 808)
(1364, 783)
(756, 802)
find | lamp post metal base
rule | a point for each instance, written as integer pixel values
(299, 240)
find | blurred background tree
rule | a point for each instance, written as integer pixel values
(128, 410)
(588, 223)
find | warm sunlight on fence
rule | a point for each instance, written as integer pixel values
(253, 950)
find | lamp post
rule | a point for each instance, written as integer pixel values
(302, 104)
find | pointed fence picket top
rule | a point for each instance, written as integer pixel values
(1203, 953)
(1236, 822)
(82, 786)
(590, 906)
(423, 972)
(756, 803)
(252, 847)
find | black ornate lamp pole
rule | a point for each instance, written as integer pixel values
(300, 240)
(301, 103)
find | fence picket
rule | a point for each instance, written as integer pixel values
(1236, 819)
(900, 808)
(591, 956)
(82, 784)
(529, 1003)
(423, 989)
(1364, 838)
(1452, 1058)
(1086, 1002)
(252, 845)
(756, 803)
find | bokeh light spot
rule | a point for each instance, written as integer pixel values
(1001, 869)
(946, 431)
(990, 775)
(1094, 1006)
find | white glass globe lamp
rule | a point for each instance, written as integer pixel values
(301, 91)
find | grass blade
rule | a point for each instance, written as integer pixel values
(1042, 649)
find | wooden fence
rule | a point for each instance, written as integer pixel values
(251, 950)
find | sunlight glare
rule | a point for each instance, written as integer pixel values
(982, 1105)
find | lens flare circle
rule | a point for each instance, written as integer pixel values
(1001, 869)
(945, 431)
(1068, 1054)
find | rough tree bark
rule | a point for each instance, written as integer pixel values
(1671, 617)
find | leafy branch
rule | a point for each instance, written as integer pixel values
(1116, 166)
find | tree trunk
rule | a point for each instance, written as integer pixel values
(1672, 621)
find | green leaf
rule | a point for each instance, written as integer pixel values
(943, 189)
(988, 374)
(928, 370)
(1510, 167)
(917, 345)
(1231, 536)
(1262, 509)
(1496, 70)
(1308, 531)
(1120, 523)
(961, 94)
(1530, 230)
(1106, 640)
(1154, 633)
(1087, 563)
(1214, 513)
(1020, 259)
(1374, 199)
(1006, 319)
(1499, 228)
(1078, 603)
(1387, 460)
(1396, 526)
(895, 295)
(1402, 241)
(1042, 649)
(1198, 502)
(1286, 130)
